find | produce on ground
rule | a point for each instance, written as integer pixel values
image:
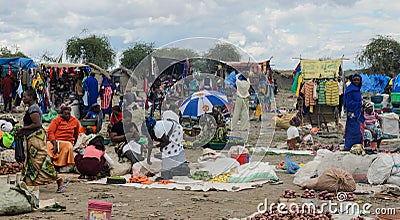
(222, 178)
(10, 168)
(289, 194)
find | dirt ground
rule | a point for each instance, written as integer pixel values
(132, 203)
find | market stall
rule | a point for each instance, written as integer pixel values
(317, 87)
(59, 81)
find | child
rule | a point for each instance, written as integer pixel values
(293, 136)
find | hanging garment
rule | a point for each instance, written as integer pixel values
(321, 93)
(332, 93)
(299, 82)
(294, 84)
(307, 90)
(315, 93)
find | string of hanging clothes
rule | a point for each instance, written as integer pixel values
(316, 91)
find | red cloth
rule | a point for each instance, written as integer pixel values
(62, 130)
(107, 96)
(92, 152)
(114, 119)
(7, 88)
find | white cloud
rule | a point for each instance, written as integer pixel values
(283, 29)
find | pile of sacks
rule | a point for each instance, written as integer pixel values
(374, 169)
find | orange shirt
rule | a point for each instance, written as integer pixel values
(62, 130)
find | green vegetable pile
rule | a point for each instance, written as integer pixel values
(201, 175)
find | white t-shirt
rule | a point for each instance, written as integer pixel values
(243, 87)
(292, 132)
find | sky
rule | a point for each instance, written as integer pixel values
(283, 29)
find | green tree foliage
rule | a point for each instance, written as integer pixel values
(5, 52)
(175, 53)
(92, 49)
(224, 52)
(132, 56)
(381, 55)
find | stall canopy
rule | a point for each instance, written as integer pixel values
(25, 63)
(319, 69)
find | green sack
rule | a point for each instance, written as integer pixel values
(49, 116)
(16, 200)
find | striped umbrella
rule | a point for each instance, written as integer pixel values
(202, 102)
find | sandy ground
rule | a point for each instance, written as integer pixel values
(132, 203)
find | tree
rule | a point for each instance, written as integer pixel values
(175, 53)
(92, 49)
(5, 52)
(132, 56)
(381, 55)
(224, 52)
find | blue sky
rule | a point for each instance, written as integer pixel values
(263, 28)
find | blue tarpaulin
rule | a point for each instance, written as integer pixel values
(26, 63)
(374, 83)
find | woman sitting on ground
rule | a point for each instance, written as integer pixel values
(293, 136)
(91, 162)
(372, 125)
(169, 133)
(127, 145)
(95, 113)
(62, 133)
(116, 116)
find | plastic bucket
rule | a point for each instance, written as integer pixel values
(98, 210)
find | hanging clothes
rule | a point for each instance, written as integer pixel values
(295, 82)
(307, 90)
(321, 93)
(299, 82)
(332, 93)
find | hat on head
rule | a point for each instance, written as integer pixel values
(170, 115)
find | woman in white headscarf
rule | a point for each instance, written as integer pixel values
(169, 133)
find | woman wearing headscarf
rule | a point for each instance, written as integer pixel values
(62, 133)
(169, 133)
(38, 169)
(355, 118)
(372, 126)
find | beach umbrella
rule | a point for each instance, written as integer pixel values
(202, 102)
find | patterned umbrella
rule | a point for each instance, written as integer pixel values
(202, 102)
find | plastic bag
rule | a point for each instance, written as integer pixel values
(19, 149)
(292, 167)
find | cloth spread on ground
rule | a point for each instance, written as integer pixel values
(185, 183)
(279, 151)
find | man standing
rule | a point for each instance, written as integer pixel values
(91, 85)
(7, 91)
(242, 103)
